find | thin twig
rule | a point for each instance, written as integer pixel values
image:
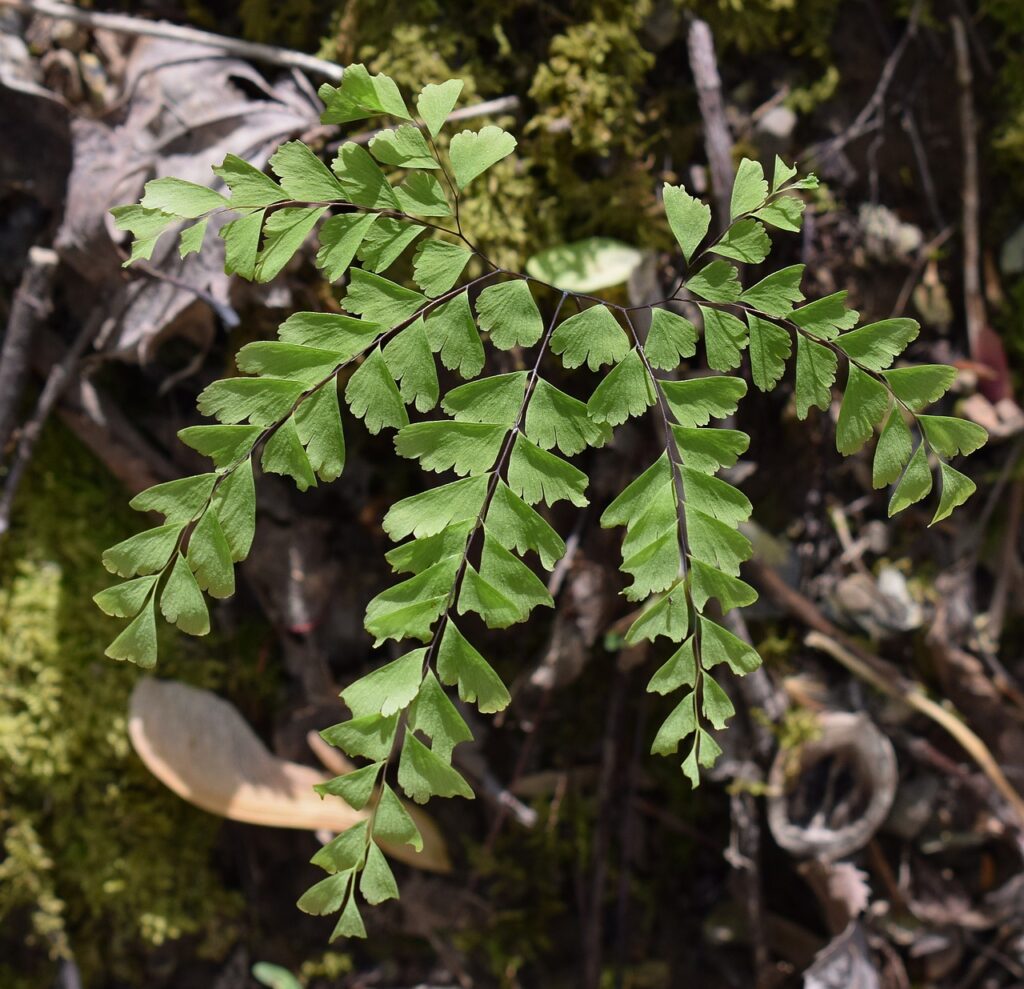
(127, 24)
(974, 300)
(868, 119)
(29, 308)
(58, 380)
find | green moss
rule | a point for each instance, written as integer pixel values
(99, 860)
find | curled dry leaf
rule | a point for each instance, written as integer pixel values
(199, 746)
(849, 745)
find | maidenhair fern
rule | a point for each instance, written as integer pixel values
(509, 438)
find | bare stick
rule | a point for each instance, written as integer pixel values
(717, 140)
(974, 301)
(125, 24)
(30, 306)
(60, 376)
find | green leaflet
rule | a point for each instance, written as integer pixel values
(679, 670)
(362, 180)
(680, 724)
(181, 198)
(340, 238)
(515, 525)
(435, 716)
(355, 788)
(725, 339)
(192, 239)
(422, 774)
(956, 489)
(472, 153)
(422, 195)
(815, 374)
(224, 445)
(369, 738)
(408, 610)
(404, 146)
(689, 218)
(125, 600)
(392, 822)
(782, 174)
(951, 437)
(234, 503)
(209, 556)
(668, 616)
(318, 426)
(380, 300)
(181, 601)
(893, 450)
(304, 177)
(877, 345)
(915, 483)
(593, 337)
(746, 240)
(373, 396)
(283, 234)
(177, 501)
(261, 401)
(465, 447)
(770, 348)
(137, 643)
(749, 190)
(719, 645)
(435, 103)
(377, 883)
(503, 590)
(697, 401)
(276, 359)
(708, 450)
(784, 213)
(359, 96)
(920, 385)
(417, 555)
(343, 336)
(669, 339)
(388, 689)
(626, 391)
(283, 454)
(385, 242)
(556, 420)
(437, 265)
(495, 400)
(707, 582)
(508, 312)
(536, 475)
(452, 333)
(426, 514)
(716, 282)
(248, 185)
(864, 404)
(825, 318)
(145, 553)
(146, 227)
(242, 244)
(411, 363)
(777, 293)
(459, 663)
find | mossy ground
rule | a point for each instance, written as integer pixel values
(99, 861)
